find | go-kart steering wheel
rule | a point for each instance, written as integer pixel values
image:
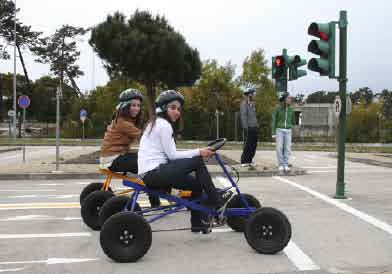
(217, 144)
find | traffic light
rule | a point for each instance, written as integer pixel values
(295, 62)
(325, 47)
(278, 67)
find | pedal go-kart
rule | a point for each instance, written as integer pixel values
(126, 235)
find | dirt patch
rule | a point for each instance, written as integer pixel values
(93, 158)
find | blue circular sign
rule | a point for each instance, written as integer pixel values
(23, 101)
(83, 113)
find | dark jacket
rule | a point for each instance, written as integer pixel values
(248, 114)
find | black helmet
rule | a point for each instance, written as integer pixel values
(168, 96)
(126, 96)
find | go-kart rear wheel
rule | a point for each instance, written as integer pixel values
(91, 207)
(114, 205)
(126, 237)
(268, 230)
(237, 223)
(89, 189)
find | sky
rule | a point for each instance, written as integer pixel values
(228, 31)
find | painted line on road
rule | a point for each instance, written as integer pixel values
(53, 184)
(299, 258)
(38, 218)
(27, 190)
(45, 235)
(12, 269)
(38, 206)
(359, 214)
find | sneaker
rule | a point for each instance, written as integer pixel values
(286, 169)
(245, 165)
(281, 168)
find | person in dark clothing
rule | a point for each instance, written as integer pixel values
(250, 126)
(161, 165)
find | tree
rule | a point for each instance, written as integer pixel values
(364, 95)
(387, 104)
(299, 99)
(59, 50)
(25, 37)
(255, 70)
(145, 49)
(321, 96)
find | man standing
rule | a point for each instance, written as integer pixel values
(250, 126)
(282, 123)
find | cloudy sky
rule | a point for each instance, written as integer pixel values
(229, 30)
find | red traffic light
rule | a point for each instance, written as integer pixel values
(278, 61)
(323, 36)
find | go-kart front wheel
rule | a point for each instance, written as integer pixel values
(268, 230)
(91, 207)
(126, 237)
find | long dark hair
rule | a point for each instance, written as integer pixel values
(177, 125)
(126, 114)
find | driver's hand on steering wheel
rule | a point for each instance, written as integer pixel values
(206, 152)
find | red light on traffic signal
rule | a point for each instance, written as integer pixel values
(278, 62)
(323, 36)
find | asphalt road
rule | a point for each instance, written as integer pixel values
(41, 230)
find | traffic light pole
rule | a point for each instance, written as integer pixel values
(340, 184)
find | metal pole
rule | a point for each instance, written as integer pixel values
(59, 90)
(24, 121)
(340, 184)
(83, 132)
(217, 123)
(14, 101)
(24, 153)
(236, 126)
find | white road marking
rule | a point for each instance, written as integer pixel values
(38, 218)
(65, 196)
(54, 184)
(27, 190)
(359, 214)
(299, 258)
(44, 235)
(83, 183)
(53, 261)
(38, 206)
(12, 269)
(220, 230)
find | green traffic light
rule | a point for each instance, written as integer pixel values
(295, 62)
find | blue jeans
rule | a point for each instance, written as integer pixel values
(283, 146)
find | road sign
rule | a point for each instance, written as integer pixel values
(11, 113)
(83, 115)
(23, 101)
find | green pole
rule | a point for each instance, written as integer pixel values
(340, 184)
(284, 81)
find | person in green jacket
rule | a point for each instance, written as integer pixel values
(282, 123)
